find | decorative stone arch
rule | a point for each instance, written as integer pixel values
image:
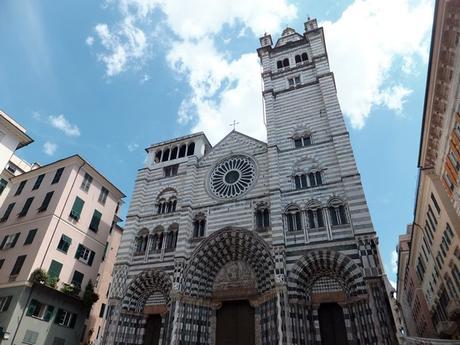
(305, 165)
(166, 193)
(223, 246)
(316, 264)
(335, 201)
(142, 286)
(313, 204)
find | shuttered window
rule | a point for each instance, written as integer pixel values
(30, 236)
(7, 212)
(64, 243)
(18, 265)
(55, 269)
(85, 254)
(57, 176)
(20, 188)
(94, 225)
(38, 181)
(26, 207)
(76, 208)
(45, 202)
(77, 279)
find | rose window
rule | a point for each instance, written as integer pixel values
(232, 177)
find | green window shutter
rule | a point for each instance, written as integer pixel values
(3, 242)
(55, 269)
(94, 225)
(79, 250)
(46, 201)
(30, 236)
(91, 258)
(31, 309)
(77, 208)
(48, 313)
(15, 239)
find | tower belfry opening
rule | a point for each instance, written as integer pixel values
(251, 242)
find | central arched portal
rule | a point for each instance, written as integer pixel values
(233, 272)
(332, 324)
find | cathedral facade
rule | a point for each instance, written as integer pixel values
(255, 243)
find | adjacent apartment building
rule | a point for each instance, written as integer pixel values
(429, 253)
(12, 137)
(59, 218)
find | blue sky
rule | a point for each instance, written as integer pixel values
(106, 79)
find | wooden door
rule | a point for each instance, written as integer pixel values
(152, 330)
(235, 324)
(332, 324)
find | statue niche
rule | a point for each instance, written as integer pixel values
(235, 280)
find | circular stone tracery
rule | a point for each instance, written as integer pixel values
(232, 177)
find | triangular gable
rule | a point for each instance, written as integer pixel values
(234, 142)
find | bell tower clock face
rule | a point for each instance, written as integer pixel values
(232, 177)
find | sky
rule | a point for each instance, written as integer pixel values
(105, 79)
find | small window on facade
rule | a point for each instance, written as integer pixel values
(262, 216)
(85, 255)
(30, 236)
(171, 170)
(165, 155)
(77, 279)
(297, 59)
(3, 184)
(103, 195)
(38, 181)
(304, 57)
(157, 158)
(10, 241)
(141, 243)
(57, 176)
(171, 240)
(301, 141)
(5, 302)
(86, 183)
(55, 269)
(286, 62)
(40, 310)
(7, 213)
(18, 265)
(65, 318)
(95, 221)
(20, 188)
(279, 64)
(64, 243)
(2, 261)
(77, 207)
(102, 310)
(157, 242)
(26, 207)
(294, 81)
(44, 206)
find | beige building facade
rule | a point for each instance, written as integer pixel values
(58, 218)
(429, 254)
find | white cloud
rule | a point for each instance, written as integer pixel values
(36, 115)
(61, 123)
(394, 261)
(49, 148)
(89, 40)
(393, 283)
(364, 45)
(133, 147)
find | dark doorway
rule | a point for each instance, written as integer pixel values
(152, 330)
(332, 324)
(235, 324)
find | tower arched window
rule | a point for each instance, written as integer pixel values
(301, 181)
(174, 152)
(191, 149)
(302, 140)
(293, 219)
(157, 241)
(262, 218)
(165, 155)
(315, 179)
(161, 206)
(315, 218)
(182, 150)
(286, 62)
(171, 205)
(337, 212)
(141, 241)
(304, 57)
(199, 225)
(298, 59)
(158, 156)
(167, 201)
(171, 237)
(279, 64)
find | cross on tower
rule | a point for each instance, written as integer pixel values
(234, 124)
